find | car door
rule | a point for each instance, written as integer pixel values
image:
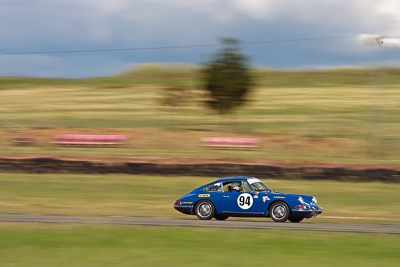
(243, 202)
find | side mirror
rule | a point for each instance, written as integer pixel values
(255, 193)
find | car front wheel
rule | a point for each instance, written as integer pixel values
(205, 210)
(279, 211)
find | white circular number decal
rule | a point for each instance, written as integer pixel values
(245, 201)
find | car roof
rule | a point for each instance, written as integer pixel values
(241, 178)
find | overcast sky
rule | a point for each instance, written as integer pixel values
(280, 34)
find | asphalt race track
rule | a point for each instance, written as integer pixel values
(194, 222)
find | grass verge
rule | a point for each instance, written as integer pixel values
(153, 196)
(33, 245)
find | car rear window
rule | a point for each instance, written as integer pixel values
(213, 188)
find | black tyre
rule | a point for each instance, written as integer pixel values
(279, 211)
(221, 217)
(296, 219)
(204, 210)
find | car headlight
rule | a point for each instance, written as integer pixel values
(301, 200)
(314, 199)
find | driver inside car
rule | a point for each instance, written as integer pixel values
(236, 187)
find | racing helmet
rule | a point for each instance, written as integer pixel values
(236, 186)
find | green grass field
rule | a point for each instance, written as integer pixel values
(54, 245)
(153, 196)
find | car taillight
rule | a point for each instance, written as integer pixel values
(178, 203)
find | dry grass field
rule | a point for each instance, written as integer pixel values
(338, 115)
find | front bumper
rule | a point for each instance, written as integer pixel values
(307, 212)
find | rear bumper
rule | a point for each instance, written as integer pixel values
(186, 209)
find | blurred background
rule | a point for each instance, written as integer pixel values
(345, 115)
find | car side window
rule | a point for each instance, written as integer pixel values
(231, 186)
(214, 188)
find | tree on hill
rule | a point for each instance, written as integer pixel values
(227, 78)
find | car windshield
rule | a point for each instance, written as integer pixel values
(258, 186)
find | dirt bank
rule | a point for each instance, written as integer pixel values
(215, 167)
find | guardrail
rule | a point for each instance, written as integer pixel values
(231, 142)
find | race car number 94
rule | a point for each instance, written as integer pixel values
(245, 201)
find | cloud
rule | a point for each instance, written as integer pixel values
(259, 9)
(390, 9)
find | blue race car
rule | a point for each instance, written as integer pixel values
(246, 197)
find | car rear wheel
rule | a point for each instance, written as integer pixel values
(295, 219)
(204, 210)
(221, 217)
(279, 211)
